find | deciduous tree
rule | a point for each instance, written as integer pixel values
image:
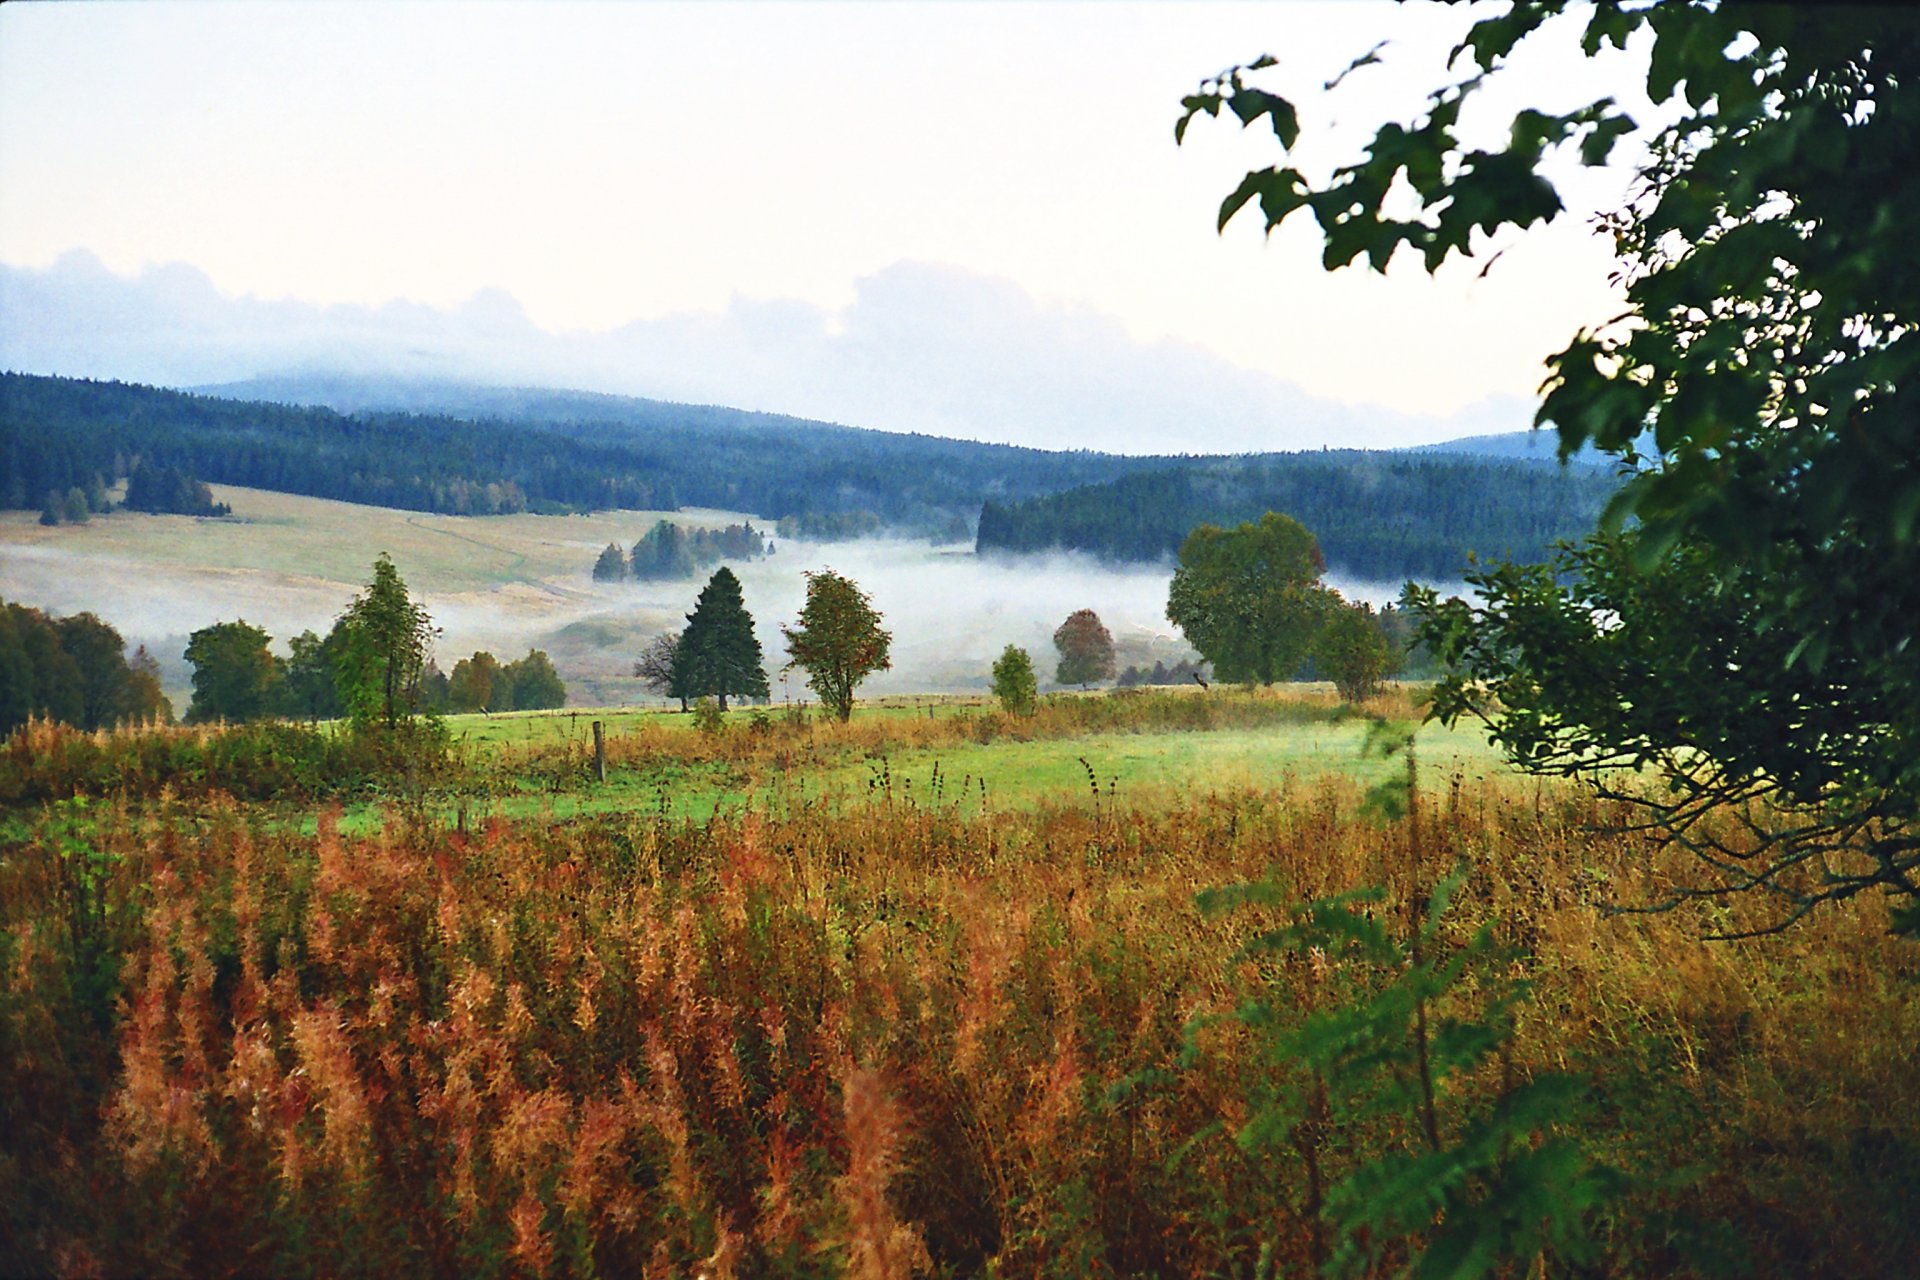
(839, 641)
(1248, 598)
(536, 685)
(1086, 649)
(386, 637)
(656, 670)
(234, 672)
(1752, 638)
(475, 685)
(1352, 650)
(1014, 683)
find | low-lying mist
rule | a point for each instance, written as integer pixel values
(950, 612)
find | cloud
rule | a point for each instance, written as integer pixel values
(922, 347)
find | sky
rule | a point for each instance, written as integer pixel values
(967, 219)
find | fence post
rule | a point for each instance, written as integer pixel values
(599, 752)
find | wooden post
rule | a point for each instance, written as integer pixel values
(599, 752)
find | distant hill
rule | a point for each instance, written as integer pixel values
(471, 450)
(1535, 446)
(537, 406)
(1378, 516)
(464, 449)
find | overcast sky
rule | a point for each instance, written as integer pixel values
(836, 210)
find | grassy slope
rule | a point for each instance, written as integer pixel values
(925, 752)
(291, 563)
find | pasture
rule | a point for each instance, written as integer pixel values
(779, 999)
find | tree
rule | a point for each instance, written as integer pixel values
(1086, 649)
(718, 654)
(476, 685)
(1352, 650)
(384, 649)
(234, 673)
(435, 690)
(108, 695)
(839, 641)
(74, 508)
(612, 564)
(536, 685)
(656, 670)
(149, 702)
(1249, 598)
(1014, 683)
(307, 687)
(1751, 637)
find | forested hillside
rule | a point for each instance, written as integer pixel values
(57, 433)
(1377, 515)
(486, 451)
(497, 451)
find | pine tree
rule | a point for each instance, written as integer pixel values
(612, 564)
(718, 654)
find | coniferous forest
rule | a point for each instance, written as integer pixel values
(1384, 515)
(1376, 515)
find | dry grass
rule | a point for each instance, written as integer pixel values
(881, 1041)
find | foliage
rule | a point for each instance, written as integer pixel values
(1382, 1051)
(1596, 667)
(839, 640)
(611, 565)
(1388, 516)
(73, 669)
(489, 451)
(1086, 649)
(235, 675)
(155, 488)
(385, 639)
(718, 654)
(1249, 598)
(667, 551)
(475, 684)
(1184, 671)
(1014, 682)
(1767, 350)
(536, 685)
(231, 1043)
(1353, 650)
(656, 670)
(307, 687)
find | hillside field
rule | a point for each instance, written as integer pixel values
(510, 583)
(775, 1001)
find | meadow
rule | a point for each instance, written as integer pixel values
(502, 1019)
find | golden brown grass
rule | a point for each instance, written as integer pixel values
(877, 1042)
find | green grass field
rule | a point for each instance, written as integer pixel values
(923, 752)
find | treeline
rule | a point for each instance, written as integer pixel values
(60, 434)
(74, 670)
(523, 454)
(238, 678)
(1377, 515)
(152, 489)
(667, 552)
(740, 460)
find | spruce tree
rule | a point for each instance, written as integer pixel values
(718, 654)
